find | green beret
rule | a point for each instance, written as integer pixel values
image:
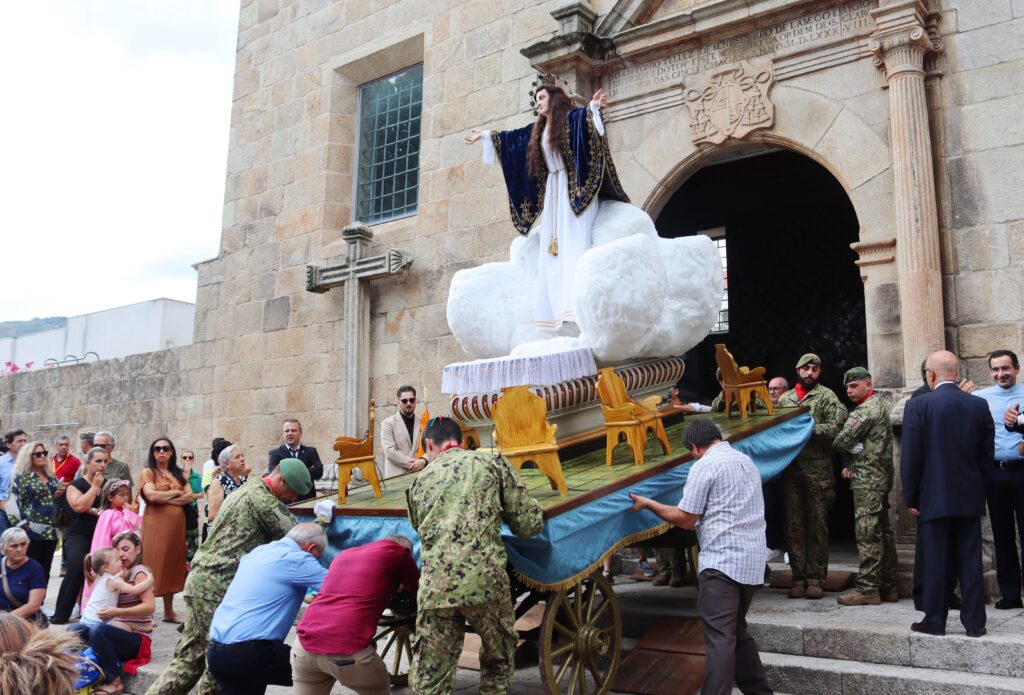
(87, 435)
(855, 374)
(296, 475)
(808, 358)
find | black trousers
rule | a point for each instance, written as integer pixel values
(247, 668)
(113, 646)
(961, 537)
(921, 569)
(731, 651)
(42, 552)
(74, 580)
(774, 514)
(1005, 493)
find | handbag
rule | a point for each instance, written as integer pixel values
(39, 618)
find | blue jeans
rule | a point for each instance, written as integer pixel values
(112, 645)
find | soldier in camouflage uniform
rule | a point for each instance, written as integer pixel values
(251, 516)
(808, 483)
(867, 435)
(457, 505)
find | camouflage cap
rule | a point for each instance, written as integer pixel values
(808, 358)
(87, 435)
(296, 475)
(855, 374)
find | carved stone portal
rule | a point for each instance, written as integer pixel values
(730, 101)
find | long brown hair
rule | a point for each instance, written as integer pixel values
(559, 106)
(34, 660)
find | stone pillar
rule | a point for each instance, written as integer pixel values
(900, 44)
(357, 334)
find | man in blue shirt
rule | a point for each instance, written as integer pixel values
(247, 650)
(1004, 484)
(14, 440)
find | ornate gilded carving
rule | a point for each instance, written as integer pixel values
(730, 101)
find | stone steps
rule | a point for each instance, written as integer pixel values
(812, 675)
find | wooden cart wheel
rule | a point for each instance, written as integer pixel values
(581, 639)
(394, 643)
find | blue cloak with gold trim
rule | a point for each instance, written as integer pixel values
(588, 164)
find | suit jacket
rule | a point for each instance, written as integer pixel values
(947, 448)
(307, 454)
(399, 450)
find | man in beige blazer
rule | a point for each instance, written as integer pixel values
(400, 436)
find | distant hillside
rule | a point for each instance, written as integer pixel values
(13, 329)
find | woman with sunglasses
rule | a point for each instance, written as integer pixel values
(166, 492)
(38, 490)
(195, 483)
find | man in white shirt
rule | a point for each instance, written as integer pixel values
(722, 502)
(400, 437)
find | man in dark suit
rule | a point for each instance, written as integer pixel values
(948, 440)
(293, 448)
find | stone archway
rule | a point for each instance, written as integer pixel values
(835, 137)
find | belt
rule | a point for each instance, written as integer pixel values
(1010, 465)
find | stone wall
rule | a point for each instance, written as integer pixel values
(979, 99)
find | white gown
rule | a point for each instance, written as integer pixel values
(555, 273)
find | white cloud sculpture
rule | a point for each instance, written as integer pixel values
(637, 295)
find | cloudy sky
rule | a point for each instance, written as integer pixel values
(113, 144)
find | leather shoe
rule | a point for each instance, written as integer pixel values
(980, 632)
(921, 627)
(1005, 604)
(661, 580)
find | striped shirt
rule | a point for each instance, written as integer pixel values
(724, 488)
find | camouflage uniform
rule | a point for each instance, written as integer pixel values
(249, 517)
(871, 474)
(457, 505)
(809, 487)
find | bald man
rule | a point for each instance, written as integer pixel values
(948, 440)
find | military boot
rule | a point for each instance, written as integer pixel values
(855, 598)
(662, 579)
(814, 592)
(798, 591)
(890, 596)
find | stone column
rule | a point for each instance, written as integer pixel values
(900, 44)
(357, 334)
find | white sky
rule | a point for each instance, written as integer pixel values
(113, 147)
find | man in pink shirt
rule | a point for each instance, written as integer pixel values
(334, 635)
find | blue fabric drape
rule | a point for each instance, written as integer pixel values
(573, 543)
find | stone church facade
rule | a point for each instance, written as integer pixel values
(912, 107)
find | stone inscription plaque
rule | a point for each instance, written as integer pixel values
(819, 28)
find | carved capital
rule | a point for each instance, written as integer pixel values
(906, 34)
(874, 253)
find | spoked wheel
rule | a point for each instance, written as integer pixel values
(581, 639)
(395, 634)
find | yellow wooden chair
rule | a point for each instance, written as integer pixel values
(522, 433)
(357, 452)
(627, 418)
(741, 384)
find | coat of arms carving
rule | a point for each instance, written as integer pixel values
(730, 101)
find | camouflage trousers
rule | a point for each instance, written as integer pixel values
(808, 491)
(438, 644)
(876, 543)
(672, 560)
(189, 664)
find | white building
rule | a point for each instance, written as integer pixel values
(128, 330)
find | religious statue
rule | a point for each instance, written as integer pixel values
(555, 171)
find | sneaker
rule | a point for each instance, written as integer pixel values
(645, 569)
(608, 576)
(856, 598)
(814, 592)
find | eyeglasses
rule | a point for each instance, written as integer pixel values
(40, 454)
(162, 448)
(187, 458)
(407, 400)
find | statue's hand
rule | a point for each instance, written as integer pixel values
(474, 135)
(600, 98)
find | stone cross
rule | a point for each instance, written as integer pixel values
(351, 275)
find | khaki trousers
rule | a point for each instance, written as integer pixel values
(315, 674)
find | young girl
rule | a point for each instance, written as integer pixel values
(116, 517)
(103, 573)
